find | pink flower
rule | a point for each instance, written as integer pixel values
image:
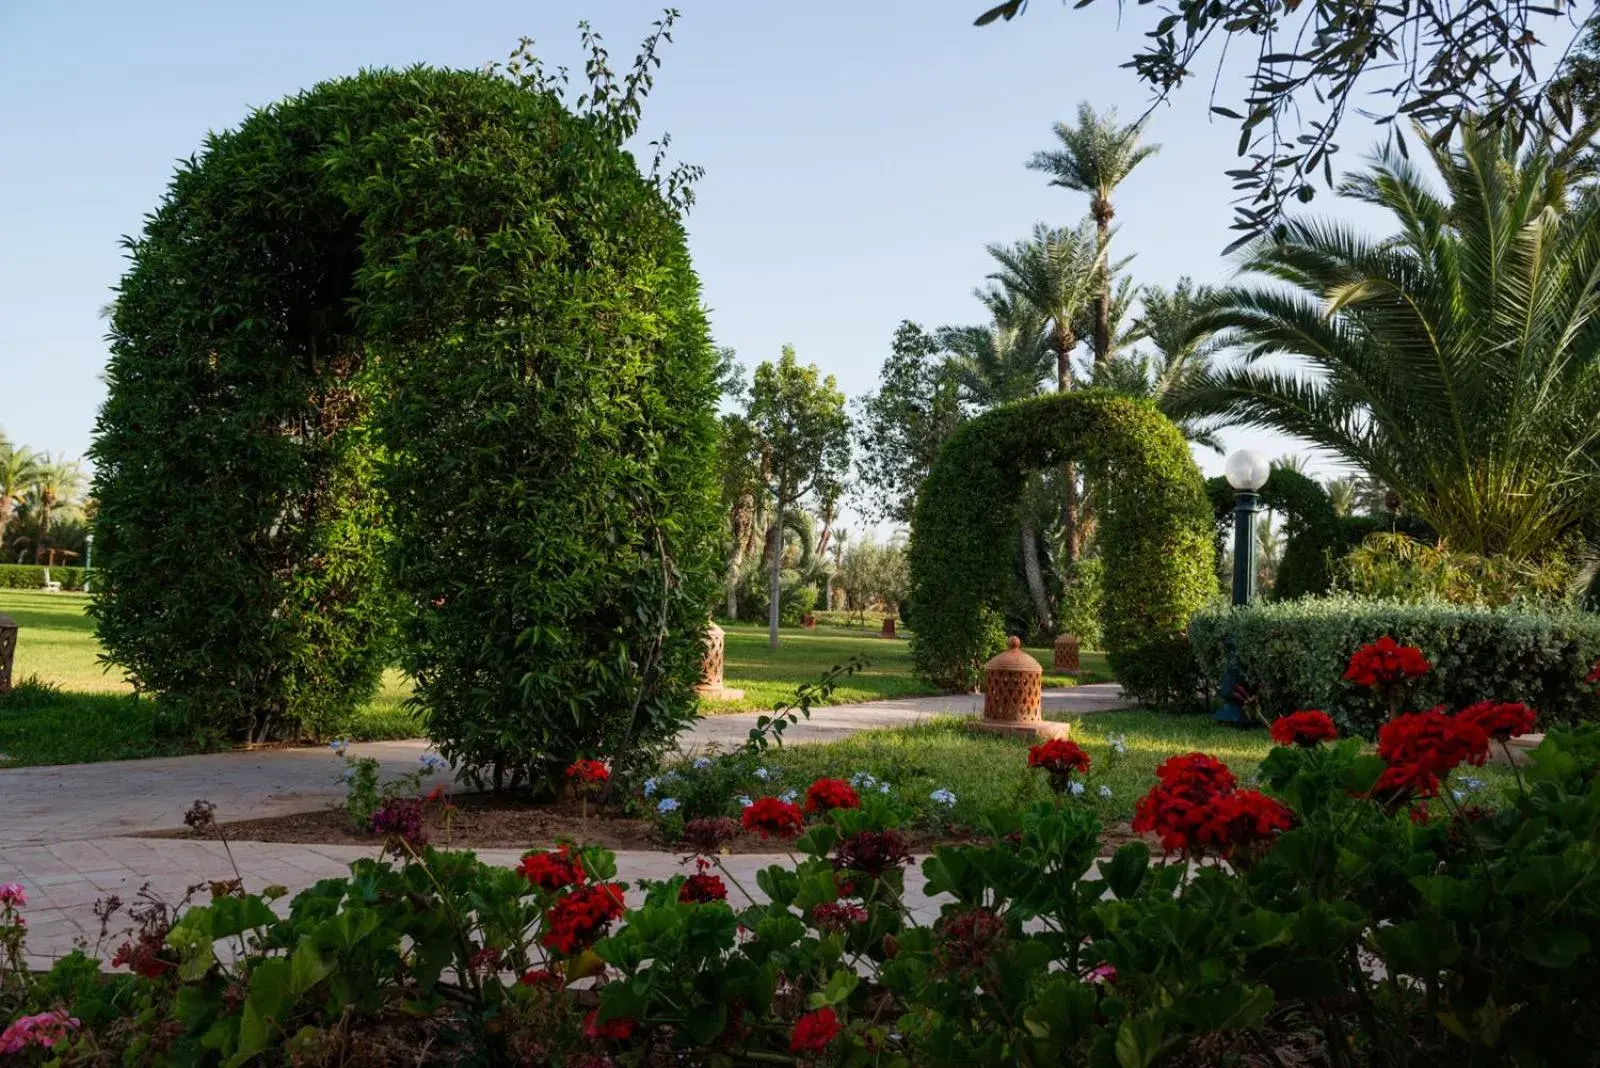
(1103, 973)
(12, 896)
(43, 1030)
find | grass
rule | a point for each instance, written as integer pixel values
(769, 676)
(83, 713)
(985, 771)
(86, 713)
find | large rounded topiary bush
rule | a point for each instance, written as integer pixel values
(1155, 537)
(415, 354)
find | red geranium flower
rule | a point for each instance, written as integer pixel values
(871, 853)
(1243, 818)
(813, 1031)
(552, 870)
(578, 919)
(541, 977)
(588, 773)
(1385, 662)
(773, 818)
(1401, 783)
(1196, 772)
(825, 795)
(618, 1027)
(1432, 741)
(1500, 721)
(1058, 754)
(698, 889)
(1305, 728)
(836, 915)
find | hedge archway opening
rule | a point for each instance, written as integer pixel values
(412, 366)
(1155, 537)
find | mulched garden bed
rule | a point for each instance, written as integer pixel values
(487, 821)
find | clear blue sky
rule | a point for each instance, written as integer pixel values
(858, 155)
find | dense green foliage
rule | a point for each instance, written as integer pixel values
(1295, 653)
(1349, 928)
(423, 338)
(1155, 537)
(31, 577)
(1457, 361)
(900, 427)
(1397, 567)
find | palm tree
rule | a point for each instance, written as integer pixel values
(1456, 362)
(1055, 274)
(1094, 157)
(1167, 321)
(19, 470)
(1342, 495)
(56, 484)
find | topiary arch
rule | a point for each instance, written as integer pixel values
(1314, 540)
(1155, 537)
(414, 355)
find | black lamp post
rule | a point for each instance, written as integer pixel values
(88, 559)
(1246, 471)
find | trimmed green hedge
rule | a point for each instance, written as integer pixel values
(1296, 653)
(1155, 537)
(31, 577)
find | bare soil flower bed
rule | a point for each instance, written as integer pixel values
(487, 821)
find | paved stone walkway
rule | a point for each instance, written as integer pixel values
(65, 831)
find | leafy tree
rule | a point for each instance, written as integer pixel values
(1314, 61)
(19, 470)
(1457, 361)
(900, 427)
(1094, 157)
(798, 418)
(873, 571)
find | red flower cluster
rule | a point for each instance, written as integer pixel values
(872, 852)
(773, 818)
(542, 978)
(966, 942)
(1500, 721)
(147, 957)
(1196, 809)
(1420, 747)
(579, 918)
(587, 774)
(618, 1027)
(701, 888)
(710, 835)
(1386, 662)
(824, 795)
(400, 817)
(1305, 728)
(837, 916)
(813, 1031)
(552, 870)
(1058, 754)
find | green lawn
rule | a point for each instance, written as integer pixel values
(768, 676)
(92, 714)
(985, 771)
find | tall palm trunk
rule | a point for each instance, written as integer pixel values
(1100, 208)
(739, 523)
(1035, 575)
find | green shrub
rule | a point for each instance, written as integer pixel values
(1155, 537)
(1393, 566)
(421, 337)
(1296, 652)
(1083, 601)
(796, 597)
(31, 577)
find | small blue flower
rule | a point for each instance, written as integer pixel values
(702, 763)
(942, 797)
(1105, 793)
(790, 796)
(763, 774)
(348, 776)
(863, 781)
(745, 801)
(1119, 744)
(1075, 788)
(883, 787)
(650, 786)
(666, 805)
(338, 745)
(1458, 795)
(1472, 785)
(432, 763)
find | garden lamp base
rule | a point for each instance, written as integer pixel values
(1039, 730)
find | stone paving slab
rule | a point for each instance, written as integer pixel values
(78, 802)
(61, 915)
